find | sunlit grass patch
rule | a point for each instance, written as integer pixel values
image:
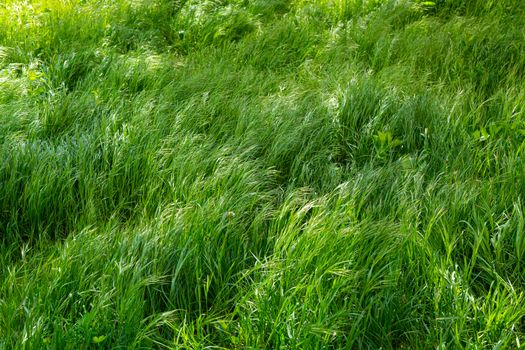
(288, 174)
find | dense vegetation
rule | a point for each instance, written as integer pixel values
(262, 174)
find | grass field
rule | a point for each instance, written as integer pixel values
(262, 174)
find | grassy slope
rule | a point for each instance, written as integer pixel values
(262, 174)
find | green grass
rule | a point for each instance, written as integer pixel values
(265, 174)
